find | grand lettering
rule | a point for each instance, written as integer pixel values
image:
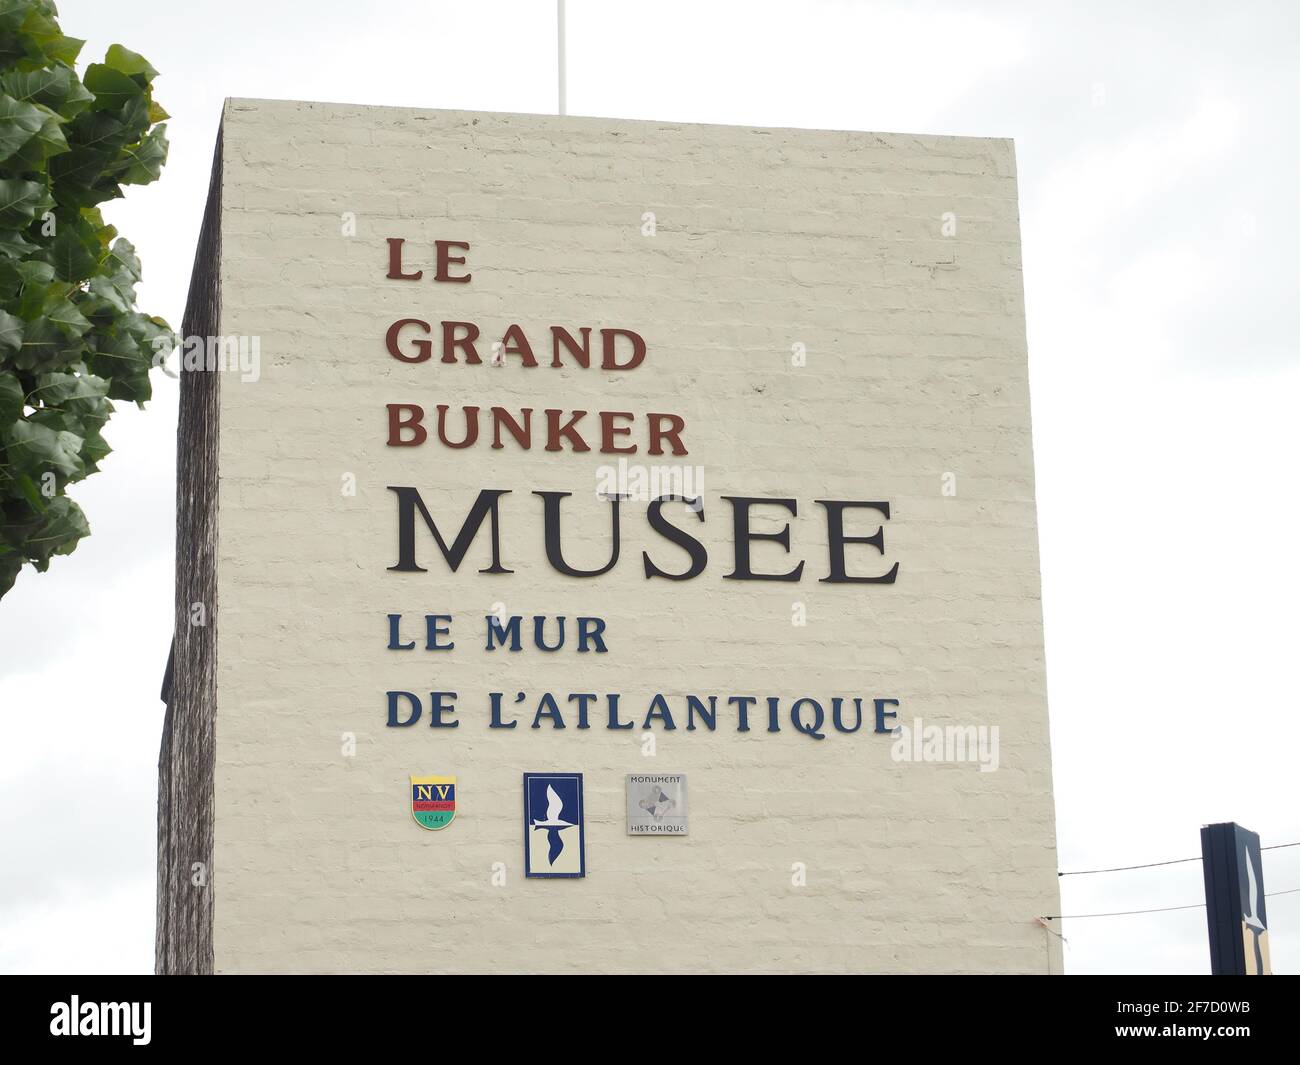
(413, 340)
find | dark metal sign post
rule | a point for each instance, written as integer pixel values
(1234, 901)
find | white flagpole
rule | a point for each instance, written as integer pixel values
(560, 38)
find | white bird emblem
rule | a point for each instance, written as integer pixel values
(554, 822)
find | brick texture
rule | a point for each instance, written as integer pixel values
(183, 942)
(765, 238)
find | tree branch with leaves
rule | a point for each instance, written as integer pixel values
(71, 338)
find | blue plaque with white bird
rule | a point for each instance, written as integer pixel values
(554, 832)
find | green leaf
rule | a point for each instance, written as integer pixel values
(57, 88)
(49, 141)
(64, 389)
(19, 123)
(37, 286)
(64, 314)
(11, 397)
(147, 158)
(30, 493)
(41, 27)
(14, 245)
(95, 448)
(12, 14)
(126, 360)
(65, 50)
(35, 449)
(43, 31)
(11, 333)
(123, 264)
(103, 288)
(83, 176)
(128, 62)
(77, 250)
(134, 115)
(56, 532)
(22, 201)
(113, 90)
(11, 564)
(46, 347)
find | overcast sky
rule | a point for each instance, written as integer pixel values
(1157, 161)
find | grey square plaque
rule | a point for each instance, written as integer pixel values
(656, 804)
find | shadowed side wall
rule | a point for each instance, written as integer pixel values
(183, 942)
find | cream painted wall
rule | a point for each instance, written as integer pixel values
(916, 367)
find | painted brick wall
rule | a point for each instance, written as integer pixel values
(916, 367)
